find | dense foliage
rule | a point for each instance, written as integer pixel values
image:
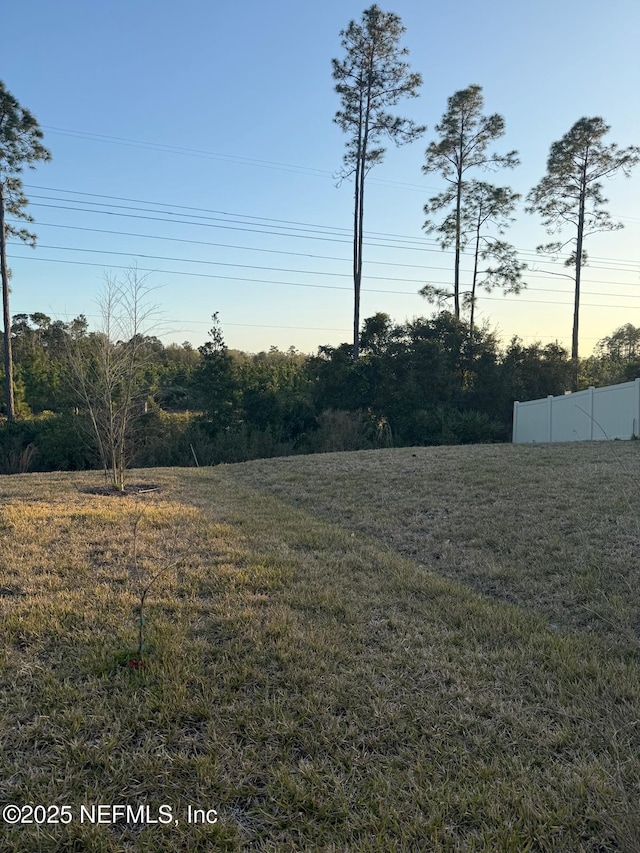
(423, 382)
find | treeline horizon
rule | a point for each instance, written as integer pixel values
(428, 381)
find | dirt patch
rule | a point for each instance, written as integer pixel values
(130, 489)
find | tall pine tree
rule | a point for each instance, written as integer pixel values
(571, 194)
(465, 136)
(20, 145)
(371, 78)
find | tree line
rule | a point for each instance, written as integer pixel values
(87, 400)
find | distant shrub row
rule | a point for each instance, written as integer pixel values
(62, 442)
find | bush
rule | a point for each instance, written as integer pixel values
(163, 439)
(45, 442)
(479, 428)
(340, 430)
(445, 425)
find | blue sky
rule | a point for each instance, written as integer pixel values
(233, 106)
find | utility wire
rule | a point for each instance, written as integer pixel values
(537, 274)
(321, 229)
(421, 281)
(259, 230)
(225, 264)
(176, 149)
(312, 236)
(223, 217)
(298, 284)
(203, 210)
(229, 158)
(224, 245)
(336, 231)
(210, 275)
(346, 231)
(243, 161)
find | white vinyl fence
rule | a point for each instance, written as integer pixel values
(596, 414)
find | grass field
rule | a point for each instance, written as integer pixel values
(429, 649)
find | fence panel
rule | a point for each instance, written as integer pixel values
(531, 421)
(570, 423)
(595, 414)
(615, 411)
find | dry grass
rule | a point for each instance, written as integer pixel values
(325, 670)
(551, 528)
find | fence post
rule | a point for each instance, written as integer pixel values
(514, 434)
(549, 415)
(636, 420)
(591, 421)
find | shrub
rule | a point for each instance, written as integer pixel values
(445, 425)
(45, 442)
(162, 439)
(341, 430)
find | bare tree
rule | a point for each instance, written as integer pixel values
(106, 370)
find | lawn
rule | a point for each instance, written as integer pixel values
(428, 649)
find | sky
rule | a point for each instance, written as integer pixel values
(197, 142)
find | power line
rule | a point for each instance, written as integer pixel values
(225, 245)
(228, 158)
(323, 228)
(200, 209)
(313, 236)
(298, 284)
(226, 264)
(221, 217)
(177, 149)
(242, 161)
(136, 254)
(164, 238)
(333, 236)
(210, 275)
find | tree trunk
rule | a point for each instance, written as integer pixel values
(576, 304)
(4, 272)
(357, 261)
(358, 274)
(473, 284)
(456, 265)
(358, 222)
